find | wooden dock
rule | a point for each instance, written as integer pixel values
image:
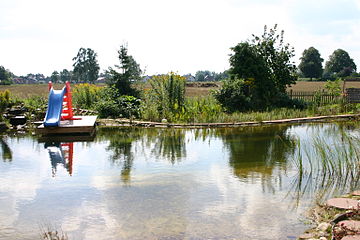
(85, 125)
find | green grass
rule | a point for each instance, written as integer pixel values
(329, 165)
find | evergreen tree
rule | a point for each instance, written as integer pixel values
(122, 76)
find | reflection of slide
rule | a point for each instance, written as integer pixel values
(60, 154)
(55, 105)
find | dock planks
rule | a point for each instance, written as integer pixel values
(85, 125)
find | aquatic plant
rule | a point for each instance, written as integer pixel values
(328, 166)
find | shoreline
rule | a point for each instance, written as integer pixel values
(121, 122)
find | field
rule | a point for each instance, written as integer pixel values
(192, 89)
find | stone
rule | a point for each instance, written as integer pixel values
(323, 226)
(350, 224)
(351, 237)
(356, 193)
(306, 236)
(342, 203)
(18, 120)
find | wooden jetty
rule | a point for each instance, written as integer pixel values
(82, 125)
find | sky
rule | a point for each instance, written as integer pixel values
(184, 36)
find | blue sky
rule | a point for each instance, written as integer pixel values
(41, 36)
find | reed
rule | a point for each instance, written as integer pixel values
(329, 166)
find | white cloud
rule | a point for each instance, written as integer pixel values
(184, 36)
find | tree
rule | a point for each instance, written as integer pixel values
(55, 77)
(311, 63)
(260, 70)
(5, 76)
(65, 75)
(277, 56)
(206, 75)
(340, 64)
(129, 71)
(221, 76)
(256, 88)
(86, 67)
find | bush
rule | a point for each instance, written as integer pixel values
(36, 105)
(86, 95)
(4, 102)
(113, 105)
(284, 101)
(231, 96)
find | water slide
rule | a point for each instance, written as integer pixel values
(55, 105)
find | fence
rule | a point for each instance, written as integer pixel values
(321, 97)
(353, 95)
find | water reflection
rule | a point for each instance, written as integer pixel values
(120, 145)
(170, 144)
(327, 164)
(61, 150)
(60, 154)
(185, 183)
(6, 150)
(124, 143)
(254, 151)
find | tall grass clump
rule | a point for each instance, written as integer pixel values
(165, 98)
(86, 95)
(199, 109)
(4, 100)
(328, 166)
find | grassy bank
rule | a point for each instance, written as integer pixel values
(199, 106)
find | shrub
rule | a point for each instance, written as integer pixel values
(113, 105)
(231, 96)
(284, 101)
(4, 102)
(86, 95)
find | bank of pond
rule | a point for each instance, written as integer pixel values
(254, 182)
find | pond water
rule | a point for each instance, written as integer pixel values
(137, 183)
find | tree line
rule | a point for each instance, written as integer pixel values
(339, 65)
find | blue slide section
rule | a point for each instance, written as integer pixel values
(53, 113)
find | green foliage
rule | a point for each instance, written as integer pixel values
(232, 95)
(167, 93)
(333, 87)
(129, 72)
(198, 109)
(340, 64)
(85, 95)
(311, 63)
(55, 77)
(65, 75)
(277, 56)
(111, 104)
(86, 67)
(5, 76)
(36, 106)
(4, 101)
(265, 69)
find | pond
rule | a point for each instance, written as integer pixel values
(139, 183)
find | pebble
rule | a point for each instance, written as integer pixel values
(323, 226)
